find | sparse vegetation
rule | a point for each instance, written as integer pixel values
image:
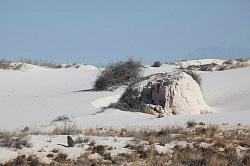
(61, 158)
(196, 145)
(61, 118)
(6, 65)
(117, 74)
(227, 65)
(31, 160)
(43, 63)
(156, 64)
(191, 123)
(14, 140)
(127, 102)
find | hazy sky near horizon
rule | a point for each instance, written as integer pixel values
(99, 31)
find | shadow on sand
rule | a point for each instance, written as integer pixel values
(85, 90)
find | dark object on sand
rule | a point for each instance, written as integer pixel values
(70, 142)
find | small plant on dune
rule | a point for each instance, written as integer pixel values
(117, 74)
(191, 123)
(156, 64)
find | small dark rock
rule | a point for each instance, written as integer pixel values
(70, 142)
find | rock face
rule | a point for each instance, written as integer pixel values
(168, 94)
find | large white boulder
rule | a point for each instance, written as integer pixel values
(169, 94)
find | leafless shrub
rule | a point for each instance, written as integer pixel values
(14, 140)
(242, 59)
(98, 149)
(228, 62)
(117, 74)
(128, 102)
(80, 140)
(92, 143)
(191, 123)
(61, 158)
(5, 64)
(30, 160)
(43, 63)
(67, 129)
(156, 64)
(61, 118)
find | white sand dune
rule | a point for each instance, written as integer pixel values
(37, 96)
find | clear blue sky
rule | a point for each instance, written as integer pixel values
(99, 31)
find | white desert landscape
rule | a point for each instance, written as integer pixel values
(47, 104)
(124, 83)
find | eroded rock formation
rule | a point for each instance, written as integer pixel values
(168, 94)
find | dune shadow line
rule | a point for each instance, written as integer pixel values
(85, 90)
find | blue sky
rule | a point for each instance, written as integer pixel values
(99, 31)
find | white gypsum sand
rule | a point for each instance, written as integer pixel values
(37, 96)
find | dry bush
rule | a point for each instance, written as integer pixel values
(156, 64)
(191, 156)
(61, 118)
(92, 143)
(14, 140)
(68, 128)
(212, 129)
(204, 67)
(85, 160)
(61, 158)
(191, 123)
(5, 64)
(128, 102)
(98, 149)
(43, 63)
(30, 160)
(117, 74)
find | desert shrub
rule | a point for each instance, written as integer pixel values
(61, 118)
(228, 62)
(117, 74)
(43, 63)
(242, 59)
(156, 64)
(98, 149)
(236, 65)
(5, 64)
(31, 160)
(61, 158)
(131, 100)
(191, 123)
(14, 140)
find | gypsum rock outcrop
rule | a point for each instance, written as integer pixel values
(163, 93)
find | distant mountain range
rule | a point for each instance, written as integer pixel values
(219, 53)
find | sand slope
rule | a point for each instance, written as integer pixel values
(37, 96)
